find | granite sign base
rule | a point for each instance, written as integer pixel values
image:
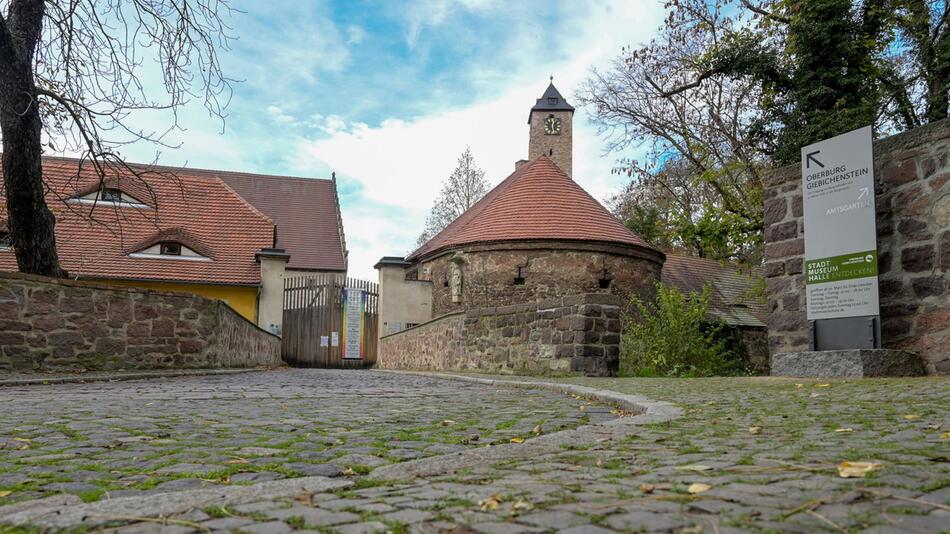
(854, 363)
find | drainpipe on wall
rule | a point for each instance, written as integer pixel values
(270, 301)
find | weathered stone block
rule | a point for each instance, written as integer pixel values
(917, 259)
(782, 231)
(774, 268)
(785, 249)
(61, 339)
(900, 172)
(775, 210)
(929, 286)
(854, 363)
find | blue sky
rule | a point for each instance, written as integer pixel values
(388, 94)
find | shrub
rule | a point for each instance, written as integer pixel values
(674, 336)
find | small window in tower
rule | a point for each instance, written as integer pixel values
(604, 283)
(445, 283)
(171, 249)
(552, 100)
(519, 278)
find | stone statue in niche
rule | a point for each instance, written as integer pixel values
(457, 262)
(456, 283)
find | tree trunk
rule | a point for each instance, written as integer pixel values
(30, 222)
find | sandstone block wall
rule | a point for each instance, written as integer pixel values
(912, 195)
(549, 270)
(579, 333)
(49, 324)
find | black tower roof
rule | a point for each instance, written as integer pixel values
(551, 100)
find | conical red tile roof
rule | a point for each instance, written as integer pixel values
(538, 201)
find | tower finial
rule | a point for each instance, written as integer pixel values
(552, 78)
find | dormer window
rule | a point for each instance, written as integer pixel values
(170, 249)
(111, 196)
(552, 100)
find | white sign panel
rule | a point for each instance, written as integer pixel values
(840, 228)
(335, 339)
(353, 329)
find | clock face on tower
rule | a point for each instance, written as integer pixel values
(552, 126)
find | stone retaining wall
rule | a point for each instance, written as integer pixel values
(912, 195)
(51, 324)
(578, 333)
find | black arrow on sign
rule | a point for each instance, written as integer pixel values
(810, 157)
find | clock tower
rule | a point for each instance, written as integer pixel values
(550, 129)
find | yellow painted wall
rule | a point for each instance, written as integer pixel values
(242, 298)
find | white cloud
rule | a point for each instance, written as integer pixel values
(355, 34)
(402, 162)
(399, 163)
(277, 115)
(431, 13)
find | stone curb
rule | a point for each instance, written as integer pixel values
(57, 512)
(648, 411)
(115, 377)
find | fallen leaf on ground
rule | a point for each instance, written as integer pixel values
(521, 505)
(489, 503)
(933, 426)
(517, 440)
(646, 488)
(945, 435)
(694, 467)
(24, 440)
(447, 422)
(848, 469)
(755, 430)
(799, 386)
(822, 385)
(583, 407)
(5, 493)
(845, 429)
(698, 487)
(233, 461)
(911, 417)
(349, 472)
(600, 462)
(537, 429)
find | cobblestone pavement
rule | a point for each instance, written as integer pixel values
(111, 440)
(748, 455)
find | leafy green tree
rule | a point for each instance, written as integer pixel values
(731, 88)
(675, 336)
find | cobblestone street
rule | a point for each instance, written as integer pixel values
(746, 455)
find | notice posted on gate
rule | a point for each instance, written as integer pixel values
(354, 305)
(840, 228)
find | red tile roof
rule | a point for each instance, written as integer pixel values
(201, 212)
(538, 201)
(733, 296)
(307, 214)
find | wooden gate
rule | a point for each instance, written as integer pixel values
(314, 321)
